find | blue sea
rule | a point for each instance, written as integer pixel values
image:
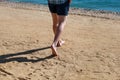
(106, 5)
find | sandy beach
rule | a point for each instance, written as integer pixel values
(91, 51)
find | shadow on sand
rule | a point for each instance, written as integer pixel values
(8, 57)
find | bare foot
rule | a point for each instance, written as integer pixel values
(60, 43)
(54, 50)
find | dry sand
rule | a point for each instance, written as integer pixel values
(91, 52)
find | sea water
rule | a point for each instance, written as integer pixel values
(106, 5)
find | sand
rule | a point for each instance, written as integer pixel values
(91, 51)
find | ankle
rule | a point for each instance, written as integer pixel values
(54, 45)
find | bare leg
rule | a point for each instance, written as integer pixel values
(55, 21)
(55, 25)
(61, 24)
(60, 43)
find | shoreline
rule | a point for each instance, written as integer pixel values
(73, 11)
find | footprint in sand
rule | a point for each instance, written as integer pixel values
(19, 78)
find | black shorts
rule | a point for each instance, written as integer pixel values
(60, 9)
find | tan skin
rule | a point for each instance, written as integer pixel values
(58, 26)
(55, 26)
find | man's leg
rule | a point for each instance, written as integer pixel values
(61, 24)
(55, 22)
(55, 25)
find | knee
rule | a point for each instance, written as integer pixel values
(60, 27)
(55, 25)
(61, 24)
